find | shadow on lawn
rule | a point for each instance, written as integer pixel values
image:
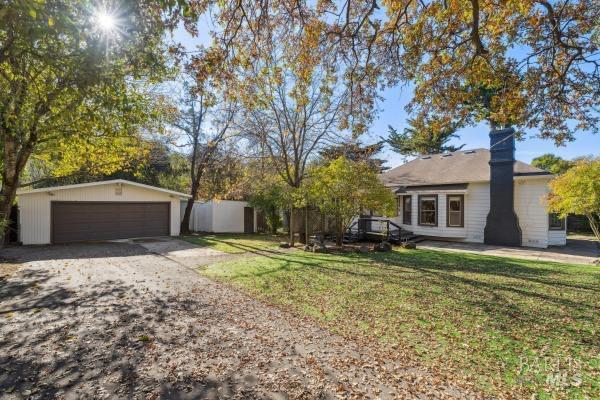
(514, 294)
(427, 261)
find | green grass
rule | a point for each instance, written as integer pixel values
(510, 326)
(236, 243)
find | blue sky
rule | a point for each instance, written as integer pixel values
(392, 113)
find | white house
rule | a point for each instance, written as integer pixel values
(114, 209)
(477, 196)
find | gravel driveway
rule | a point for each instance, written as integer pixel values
(114, 320)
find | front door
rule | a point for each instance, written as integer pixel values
(248, 220)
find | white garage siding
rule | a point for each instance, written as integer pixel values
(34, 207)
(218, 216)
(201, 217)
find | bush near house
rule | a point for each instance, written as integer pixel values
(577, 191)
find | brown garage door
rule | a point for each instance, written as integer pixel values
(79, 221)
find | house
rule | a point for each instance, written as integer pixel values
(481, 196)
(114, 209)
(222, 216)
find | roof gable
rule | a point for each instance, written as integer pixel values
(109, 182)
(448, 168)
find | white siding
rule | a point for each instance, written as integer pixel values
(228, 216)
(557, 238)
(201, 218)
(530, 208)
(477, 210)
(34, 208)
(218, 216)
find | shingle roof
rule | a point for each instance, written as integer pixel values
(447, 168)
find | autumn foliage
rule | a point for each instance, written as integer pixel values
(577, 191)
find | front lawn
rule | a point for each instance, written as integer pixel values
(510, 326)
(236, 243)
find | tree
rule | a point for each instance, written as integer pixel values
(344, 188)
(224, 177)
(356, 151)
(150, 161)
(551, 163)
(270, 198)
(204, 141)
(64, 82)
(577, 191)
(286, 84)
(422, 138)
(531, 64)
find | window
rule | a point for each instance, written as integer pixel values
(407, 210)
(556, 223)
(428, 210)
(455, 213)
(398, 205)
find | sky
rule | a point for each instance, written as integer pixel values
(391, 112)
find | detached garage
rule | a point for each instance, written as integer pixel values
(115, 209)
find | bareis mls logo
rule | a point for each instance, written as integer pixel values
(559, 373)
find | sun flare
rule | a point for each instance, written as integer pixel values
(106, 22)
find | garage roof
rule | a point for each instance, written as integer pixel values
(110, 182)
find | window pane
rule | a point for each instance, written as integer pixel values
(455, 205)
(428, 205)
(454, 219)
(556, 222)
(428, 217)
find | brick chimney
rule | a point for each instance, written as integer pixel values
(502, 226)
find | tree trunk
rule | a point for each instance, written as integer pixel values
(13, 164)
(185, 222)
(7, 198)
(340, 233)
(306, 241)
(292, 226)
(594, 225)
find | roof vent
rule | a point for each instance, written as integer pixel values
(469, 151)
(425, 157)
(446, 155)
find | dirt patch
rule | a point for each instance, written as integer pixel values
(6, 270)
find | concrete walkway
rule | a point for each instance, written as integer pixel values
(579, 250)
(182, 252)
